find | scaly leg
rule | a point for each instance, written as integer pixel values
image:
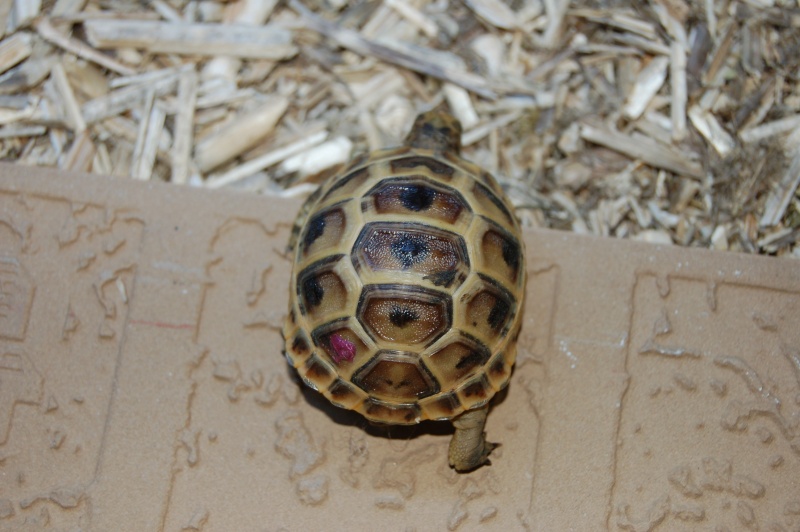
(469, 448)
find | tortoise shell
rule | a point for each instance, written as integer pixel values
(408, 281)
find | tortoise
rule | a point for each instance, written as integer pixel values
(407, 285)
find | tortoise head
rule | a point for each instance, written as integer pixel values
(437, 131)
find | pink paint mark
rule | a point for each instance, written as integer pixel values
(343, 349)
(163, 325)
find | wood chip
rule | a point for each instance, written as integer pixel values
(23, 13)
(647, 84)
(770, 129)
(321, 157)
(266, 160)
(780, 196)
(415, 16)
(10, 132)
(646, 150)
(80, 155)
(461, 105)
(677, 74)
(240, 134)
(14, 50)
(263, 42)
(497, 14)
(51, 34)
(418, 59)
(70, 103)
(184, 126)
(709, 127)
(124, 99)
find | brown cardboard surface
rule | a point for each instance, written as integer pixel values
(142, 385)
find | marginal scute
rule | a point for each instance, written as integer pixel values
(443, 406)
(391, 413)
(317, 373)
(298, 347)
(300, 344)
(476, 392)
(344, 186)
(344, 394)
(498, 371)
(491, 204)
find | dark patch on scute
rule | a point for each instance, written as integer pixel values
(315, 229)
(473, 358)
(402, 316)
(498, 367)
(438, 168)
(391, 414)
(410, 249)
(359, 159)
(446, 405)
(511, 253)
(342, 392)
(417, 197)
(488, 179)
(312, 291)
(498, 314)
(445, 131)
(357, 174)
(444, 278)
(300, 344)
(476, 389)
(484, 191)
(317, 370)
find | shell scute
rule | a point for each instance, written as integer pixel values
(391, 413)
(476, 393)
(441, 406)
(396, 376)
(321, 290)
(438, 168)
(488, 310)
(345, 395)
(491, 206)
(404, 316)
(459, 359)
(330, 339)
(419, 195)
(323, 231)
(411, 251)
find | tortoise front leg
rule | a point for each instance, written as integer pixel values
(469, 448)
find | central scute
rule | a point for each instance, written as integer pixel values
(398, 315)
(410, 248)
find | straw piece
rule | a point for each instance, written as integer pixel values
(263, 42)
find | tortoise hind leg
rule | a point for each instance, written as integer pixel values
(469, 448)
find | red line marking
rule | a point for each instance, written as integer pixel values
(163, 325)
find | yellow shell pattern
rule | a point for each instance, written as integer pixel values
(407, 287)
